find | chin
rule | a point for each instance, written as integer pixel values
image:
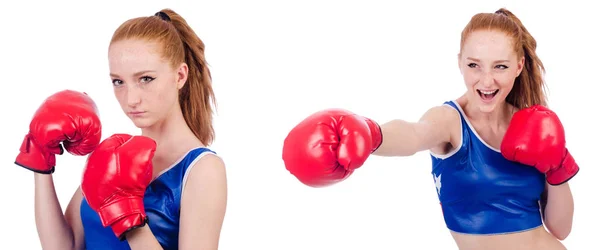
(142, 123)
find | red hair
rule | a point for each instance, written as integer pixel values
(179, 44)
(529, 86)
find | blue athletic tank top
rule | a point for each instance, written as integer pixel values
(481, 192)
(161, 202)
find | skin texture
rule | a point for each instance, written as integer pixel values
(145, 83)
(487, 62)
(146, 87)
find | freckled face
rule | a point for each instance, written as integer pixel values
(489, 66)
(145, 85)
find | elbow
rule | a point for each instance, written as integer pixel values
(409, 152)
(55, 243)
(62, 246)
(561, 230)
(561, 234)
(58, 246)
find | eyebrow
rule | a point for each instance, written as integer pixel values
(143, 72)
(477, 60)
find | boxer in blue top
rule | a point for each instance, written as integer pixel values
(163, 189)
(500, 163)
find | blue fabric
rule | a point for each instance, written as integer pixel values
(481, 192)
(162, 204)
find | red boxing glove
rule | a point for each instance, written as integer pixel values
(115, 179)
(326, 147)
(536, 137)
(69, 117)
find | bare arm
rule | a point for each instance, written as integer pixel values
(557, 206)
(403, 138)
(56, 231)
(142, 238)
(203, 205)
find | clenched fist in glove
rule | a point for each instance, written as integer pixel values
(326, 147)
(536, 137)
(67, 117)
(115, 180)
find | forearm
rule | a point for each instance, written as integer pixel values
(142, 238)
(558, 212)
(53, 230)
(398, 139)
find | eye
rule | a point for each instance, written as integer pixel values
(471, 65)
(116, 82)
(146, 79)
(502, 66)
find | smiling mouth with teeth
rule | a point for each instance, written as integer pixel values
(487, 94)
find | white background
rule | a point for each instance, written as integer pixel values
(274, 63)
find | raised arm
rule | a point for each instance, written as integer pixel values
(56, 231)
(65, 121)
(558, 209)
(404, 138)
(526, 142)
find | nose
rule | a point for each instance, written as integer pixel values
(134, 95)
(487, 79)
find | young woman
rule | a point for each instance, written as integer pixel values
(498, 153)
(161, 80)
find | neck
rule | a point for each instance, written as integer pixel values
(497, 118)
(173, 138)
(171, 130)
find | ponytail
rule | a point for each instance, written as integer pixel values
(529, 88)
(196, 97)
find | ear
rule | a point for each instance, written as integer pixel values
(520, 65)
(182, 75)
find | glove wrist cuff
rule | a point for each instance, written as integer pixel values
(565, 172)
(118, 213)
(376, 134)
(128, 224)
(32, 157)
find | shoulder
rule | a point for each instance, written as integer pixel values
(442, 121)
(444, 110)
(205, 186)
(203, 203)
(209, 162)
(441, 115)
(209, 169)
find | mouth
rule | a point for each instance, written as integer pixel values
(487, 95)
(136, 112)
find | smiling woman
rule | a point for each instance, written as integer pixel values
(164, 189)
(498, 177)
(498, 49)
